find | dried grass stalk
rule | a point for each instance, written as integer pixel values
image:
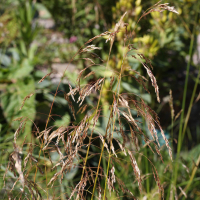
(136, 169)
(70, 105)
(26, 98)
(18, 164)
(44, 77)
(171, 104)
(89, 48)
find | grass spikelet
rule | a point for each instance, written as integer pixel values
(42, 79)
(85, 91)
(153, 81)
(26, 159)
(156, 177)
(82, 109)
(72, 91)
(158, 8)
(198, 97)
(100, 189)
(130, 119)
(79, 129)
(178, 114)
(166, 142)
(103, 142)
(113, 150)
(121, 147)
(70, 104)
(158, 152)
(89, 59)
(45, 133)
(89, 48)
(122, 187)
(79, 186)
(136, 170)
(18, 130)
(166, 7)
(98, 36)
(18, 164)
(134, 139)
(91, 73)
(113, 175)
(112, 81)
(54, 134)
(171, 104)
(26, 98)
(18, 119)
(116, 29)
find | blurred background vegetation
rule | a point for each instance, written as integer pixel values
(41, 36)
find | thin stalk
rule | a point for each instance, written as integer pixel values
(171, 186)
(180, 138)
(192, 177)
(191, 104)
(104, 195)
(147, 171)
(186, 84)
(145, 152)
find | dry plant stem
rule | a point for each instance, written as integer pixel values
(172, 136)
(146, 12)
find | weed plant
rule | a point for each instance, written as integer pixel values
(76, 144)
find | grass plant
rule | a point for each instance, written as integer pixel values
(82, 140)
(183, 122)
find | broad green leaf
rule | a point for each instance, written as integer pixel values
(4, 59)
(41, 8)
(22, 70)
(145, 96)
(102, 71)
(58, 100)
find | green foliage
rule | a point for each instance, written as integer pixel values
(11, 102)
(16, 73)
